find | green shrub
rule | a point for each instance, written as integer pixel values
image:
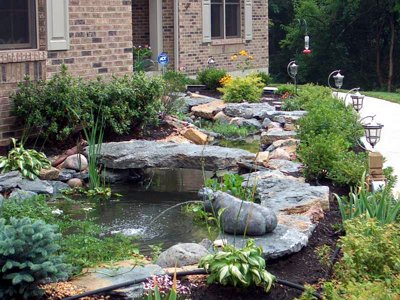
(266, 78)
(46, 104)
(64, 103)
(230, 130)
(211, 77)
(28, 162)
(240, 89)
(176, 81)
(238, 267)
(286, 89)
(306, 95)
(28, 257)
(370, 266)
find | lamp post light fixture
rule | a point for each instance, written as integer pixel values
(211, 61)
(357, 100)
(338, 80)
(373, 131)
(292, 69)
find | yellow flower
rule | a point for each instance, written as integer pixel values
(243, 53)
(251, 57)
(227, 79)
(234, 57)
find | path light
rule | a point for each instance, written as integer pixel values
(292, 69)
(357, 99)
(211, 61)
(373, 131)
(338, 80)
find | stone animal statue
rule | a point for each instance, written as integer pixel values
(239, 217)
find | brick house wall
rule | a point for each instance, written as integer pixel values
(194, 53)
(140, 23)
(100, 44)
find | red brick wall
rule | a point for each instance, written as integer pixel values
(140, 22)
(100, 44)
(194, 53)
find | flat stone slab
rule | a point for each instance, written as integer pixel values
(189, 102)
(285, 166)
(288, 116)
(37, 186)
(208, 110)
(10, 180)
(286, 193)
(282, 241)
(138, 154)
(103, 277)
(248, 110)
(267, 138)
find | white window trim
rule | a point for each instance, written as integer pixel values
(224, 37)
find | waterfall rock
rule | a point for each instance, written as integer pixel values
(138, 154)
(267, 138)
(288, 116)
(180, 255)
(21, 194)
(37, 186)
(248, 110)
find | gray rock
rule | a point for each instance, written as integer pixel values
(243, 217)
(279, 119)
(285, 166)
(267, 138)
(21, 194)
(138, 154)
(1, 200)
(180, 255)
(37, 186)
(59, 186)
(287, 194)
(288, 116)
(189, 102)
(283, 143)
(248, 110)
(251, 122)
(113, 176)
(266, 123)
(77, 162)
(66, 174)
(208, 244)
(282, 241)
(10, 180)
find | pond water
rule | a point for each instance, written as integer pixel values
(139, 205)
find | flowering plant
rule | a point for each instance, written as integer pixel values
(243, 59)
(227, 79)
(165, 287)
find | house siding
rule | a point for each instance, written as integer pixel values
(100, 45)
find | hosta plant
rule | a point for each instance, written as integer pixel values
(28, 162)
(28, 258)
(238, 267)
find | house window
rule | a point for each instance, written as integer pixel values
(225, 19)
(17, 24)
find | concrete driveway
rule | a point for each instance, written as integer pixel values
(388, 114)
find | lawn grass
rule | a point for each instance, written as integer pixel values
(392, 97)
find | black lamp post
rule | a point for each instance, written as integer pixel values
(338, 80)
(357, 100)
(292, 69)
(373, 131)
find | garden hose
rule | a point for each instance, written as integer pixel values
(178, 274)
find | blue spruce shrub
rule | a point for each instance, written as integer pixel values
(29, 257)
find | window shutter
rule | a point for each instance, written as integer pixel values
(57, 25)
(206, 21)
(248, 20)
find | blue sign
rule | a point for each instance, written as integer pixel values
(163, 59)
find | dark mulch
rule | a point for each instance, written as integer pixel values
(302, 267)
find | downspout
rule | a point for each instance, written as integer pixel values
(176, 34)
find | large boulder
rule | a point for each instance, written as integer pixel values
(37, 186)
(138, 154)
(180, 255)
(10, 180)
(248, 110)
(208, 110)
(243, 217)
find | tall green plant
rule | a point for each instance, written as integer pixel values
(362, 203)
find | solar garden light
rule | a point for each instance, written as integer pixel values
(338, 80)
(292, 69)
(373, 131)
(357, 99)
